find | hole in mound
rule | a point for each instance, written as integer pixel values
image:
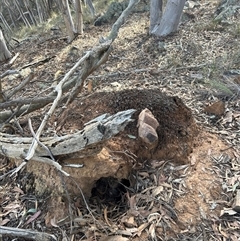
(110, 191)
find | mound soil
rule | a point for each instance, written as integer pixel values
(176, 130)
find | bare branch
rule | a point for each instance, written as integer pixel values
(97, 56)
(120, 21)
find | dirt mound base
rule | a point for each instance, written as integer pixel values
(176, 130)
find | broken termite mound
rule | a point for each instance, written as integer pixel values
(115, 157)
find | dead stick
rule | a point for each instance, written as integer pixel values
(58, 89)
(19, 87)
(116, 26)
(25, 233)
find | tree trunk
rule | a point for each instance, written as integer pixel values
(79, 16)
(171, 18)
(155, 13)
(4, 52)
(91, 7)
(68, 20)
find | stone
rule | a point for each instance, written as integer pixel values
(148, 118)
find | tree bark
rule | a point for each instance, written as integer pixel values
(170, 19)
(4, 52)
(155, 13)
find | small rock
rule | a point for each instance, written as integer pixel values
(217, 108)
(148, 118)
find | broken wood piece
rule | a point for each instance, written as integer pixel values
(25, 233)
(89, 140)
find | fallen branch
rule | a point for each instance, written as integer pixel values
(97, 55)
(25, 233)
(120, 21)
(42, 61)
(87, 141)
(27, 101)
(9, 72)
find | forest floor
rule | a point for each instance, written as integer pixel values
(187, 188)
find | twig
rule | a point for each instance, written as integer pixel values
(8, 72)
(191, 66)
(98, 57)
(13, 59)
(58, 89)
(52, 161)
(19, 87)
(39, 143)
(42, 61)
(69, 201)
(25, 233)
(25, 109)
(123, 73)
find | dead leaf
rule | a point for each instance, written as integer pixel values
(228, 117)
(33, 217)
(4, 221)
(129, 222)
(141, 228)
(106, 217)
(114, 238)
(157, 191)
(53, 222)
(227, 212)
(17, 189)
(152, 231)
(154, 217)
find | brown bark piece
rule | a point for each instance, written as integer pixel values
(217, 108)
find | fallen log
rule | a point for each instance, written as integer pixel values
(89, 140)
